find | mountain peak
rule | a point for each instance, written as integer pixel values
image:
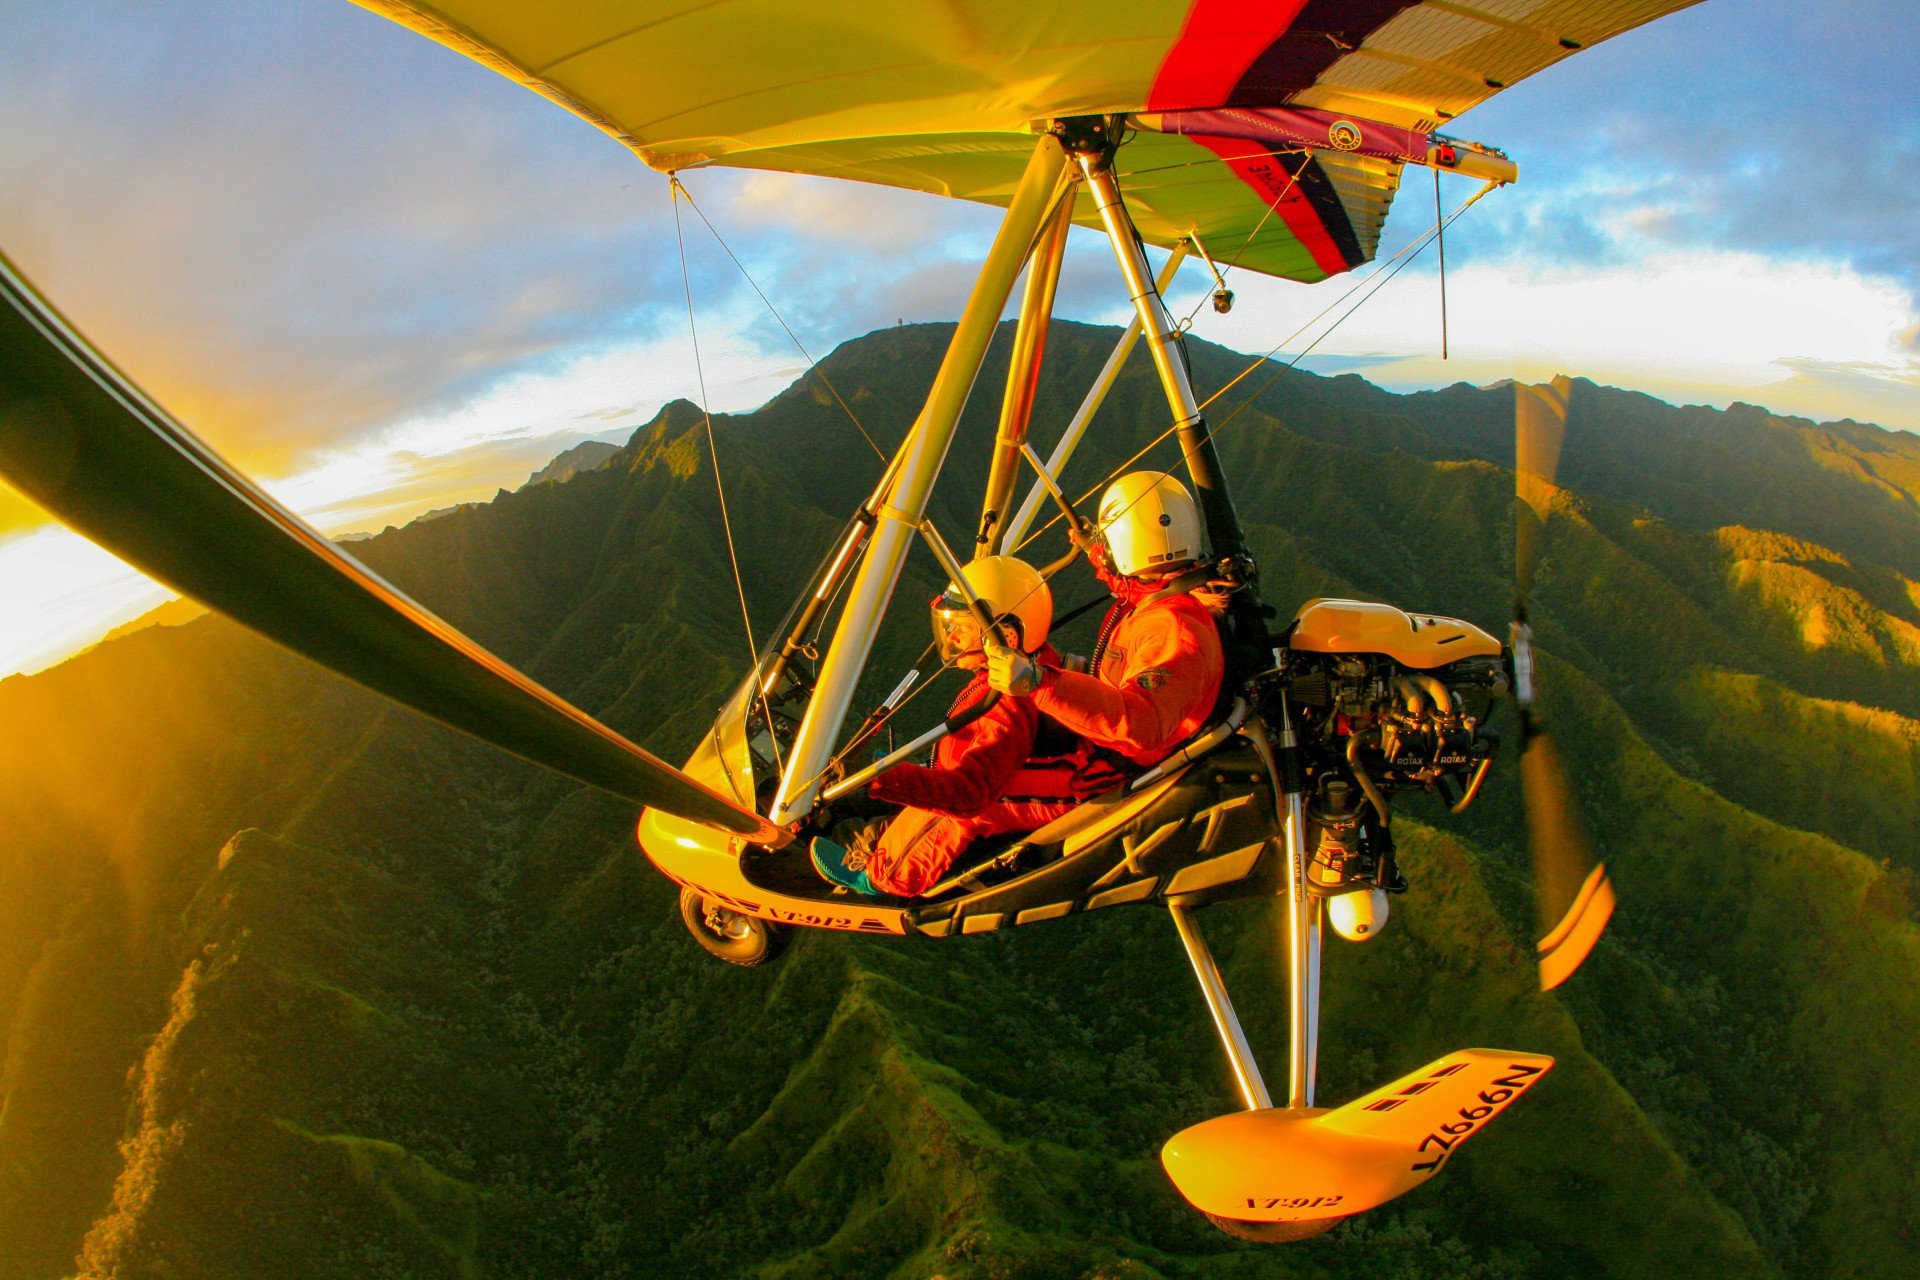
(588, 455)
(675, 416)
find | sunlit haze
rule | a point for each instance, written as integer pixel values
(385, 280)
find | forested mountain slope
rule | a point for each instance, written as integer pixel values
(295, 983)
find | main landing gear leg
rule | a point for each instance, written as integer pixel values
(1275, 1174)
(1253, 1090)
(1245, 1070)
(1303, 932)
(1303, 940)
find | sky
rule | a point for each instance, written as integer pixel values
(383, 279)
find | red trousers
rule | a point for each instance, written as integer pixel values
(910, 854)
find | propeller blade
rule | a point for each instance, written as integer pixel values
(1572, 894)
(1540, 426)
(1571, 891)
(85, 443)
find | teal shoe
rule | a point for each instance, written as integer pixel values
(848, 870)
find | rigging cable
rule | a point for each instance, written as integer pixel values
(813, 365)
(713, 453)
(1440, 234)
(1372, 283)
(867, 732)
(874, 725)
(1272, 208)
(1377, 281)
(1397, 261)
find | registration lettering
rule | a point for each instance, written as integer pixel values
(810, 919)
(1293, 1202)
(1490, 1102)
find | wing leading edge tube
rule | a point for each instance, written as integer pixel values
(80, 439)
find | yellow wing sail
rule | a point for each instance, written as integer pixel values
(941, 95)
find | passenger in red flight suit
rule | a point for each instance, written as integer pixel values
(1154, 677)
(983, 781)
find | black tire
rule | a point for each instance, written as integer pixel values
(1274, 1232)
(728, 934)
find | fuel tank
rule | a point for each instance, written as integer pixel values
(1418, 640)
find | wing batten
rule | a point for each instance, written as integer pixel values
(83, 441)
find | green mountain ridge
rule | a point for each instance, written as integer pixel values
(584, 456)
(295, 982)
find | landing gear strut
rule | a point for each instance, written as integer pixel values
(1253, 1089)
(1303, 990)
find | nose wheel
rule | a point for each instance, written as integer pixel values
(727, 934)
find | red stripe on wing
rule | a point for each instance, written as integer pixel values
(1269, 176)
(1221, 40)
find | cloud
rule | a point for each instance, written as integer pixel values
(1693, 326)
(1802, 203)
(1373, 363)
(417, 482)
(1769, 125)
(839, 259)
(1887, 393)
(63, 593)
(294, 226)
(498, 437)
(835, 259)
(848, 216)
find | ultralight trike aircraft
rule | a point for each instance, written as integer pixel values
(1278, 132)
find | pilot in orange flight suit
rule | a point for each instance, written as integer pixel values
(1156, 670)
(983, 780)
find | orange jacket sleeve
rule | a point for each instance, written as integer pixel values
(1159, 693)
(971, 767)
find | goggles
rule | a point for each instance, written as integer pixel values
(956, 632)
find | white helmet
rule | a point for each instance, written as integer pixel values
(1358, 914)
(1012, 590)
(1150, 522)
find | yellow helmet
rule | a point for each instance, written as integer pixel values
(1150, 522)
(1013, 591)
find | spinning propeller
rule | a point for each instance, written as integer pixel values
(1572, 894)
